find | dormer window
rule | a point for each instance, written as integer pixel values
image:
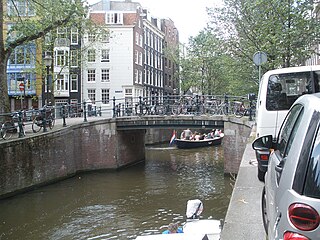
(114, 18)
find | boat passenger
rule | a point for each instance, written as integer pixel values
(217, 133)
(186, 134)
(173, 228)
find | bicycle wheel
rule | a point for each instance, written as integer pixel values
(51, 121)
(239, 113)
(176, 109)
(37, 124)
(7, 130)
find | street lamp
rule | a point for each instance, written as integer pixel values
(47, 62)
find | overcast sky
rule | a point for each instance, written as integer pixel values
(189, 16)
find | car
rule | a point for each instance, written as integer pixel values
(291, 194)
(278, 90)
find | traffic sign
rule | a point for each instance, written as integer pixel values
(21, 86)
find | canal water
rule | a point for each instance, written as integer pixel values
(141, 199)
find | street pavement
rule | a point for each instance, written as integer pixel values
(244, 219)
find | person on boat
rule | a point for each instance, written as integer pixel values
(196, 136)
(186, 134)
(173, 228)
(217, 133)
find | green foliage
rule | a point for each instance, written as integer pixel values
(220, 58)
(31, 22)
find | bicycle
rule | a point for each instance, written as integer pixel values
(44, 116)
(8, 128)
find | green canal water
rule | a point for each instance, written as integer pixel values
(141, 199)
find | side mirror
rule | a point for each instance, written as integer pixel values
(263, 143)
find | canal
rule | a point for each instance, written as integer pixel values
(141, 199)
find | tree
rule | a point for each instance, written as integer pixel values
(47, 15)
(287, 30)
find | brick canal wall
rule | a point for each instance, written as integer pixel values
(43, 158)
(47, 157)
(237, 132)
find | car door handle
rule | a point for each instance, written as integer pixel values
(278, 168)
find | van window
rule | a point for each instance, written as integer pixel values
(312, 185)
(283, 89)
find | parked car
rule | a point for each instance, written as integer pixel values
(291, 195)
(278, 90)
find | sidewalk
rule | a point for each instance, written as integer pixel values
(243, 219)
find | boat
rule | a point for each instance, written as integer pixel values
(194, 228)
(186, 144)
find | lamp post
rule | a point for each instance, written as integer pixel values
(47, 62)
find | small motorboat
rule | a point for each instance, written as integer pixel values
(186, 144)
(194, 228)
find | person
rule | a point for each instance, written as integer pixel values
(186, 134)
(173, 228)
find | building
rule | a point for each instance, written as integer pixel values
(113, 62)
(135, 55)
(23, 84)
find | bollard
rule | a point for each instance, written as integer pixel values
(44, 119)
(140, 105)
(114, 107)
(64, 115)
(20, 124)
(85, 112)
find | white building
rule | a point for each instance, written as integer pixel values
(113, 62)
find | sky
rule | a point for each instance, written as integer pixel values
(189, 17)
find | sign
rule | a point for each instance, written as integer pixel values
(21, 87)
(259, 58)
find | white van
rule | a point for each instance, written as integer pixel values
(277, 92)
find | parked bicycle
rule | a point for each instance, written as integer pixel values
(11, 127)
(44, 118)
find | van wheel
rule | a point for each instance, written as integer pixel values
(264, 210)
(261, 175)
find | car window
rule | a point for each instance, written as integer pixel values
(312, 185)
(289, 129)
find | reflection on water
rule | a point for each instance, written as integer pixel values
(141, 199)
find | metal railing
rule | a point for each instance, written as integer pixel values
(44, 118)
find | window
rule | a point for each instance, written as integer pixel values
(105, 96)
(74, 83)
(312, 185)
(137, 38)
(61, 57)
(140, 58)
(114, 18)
(61, 32)
(24, 8)
(91, 37)
(136, 76)
(288, 130)
(105, 75)
(140, 40)
(105, 55)
(91, 75)
(74, 36)
(91, 55)
(284, 89)
(62, 82)
(105, 37)
(92, 95)
(140, 76)
(136, 57)
(74, 58)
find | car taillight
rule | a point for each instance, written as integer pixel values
(303, 216)
(264, 157)
(294, 236)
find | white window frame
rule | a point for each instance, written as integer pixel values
(105, 75)
(73, 79)
(105, 95)
(91, 75)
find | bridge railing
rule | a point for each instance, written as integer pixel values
(130, 106)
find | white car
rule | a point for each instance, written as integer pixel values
(291, 196)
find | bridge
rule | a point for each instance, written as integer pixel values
(99, 142)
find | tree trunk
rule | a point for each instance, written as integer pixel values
(4, 98)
